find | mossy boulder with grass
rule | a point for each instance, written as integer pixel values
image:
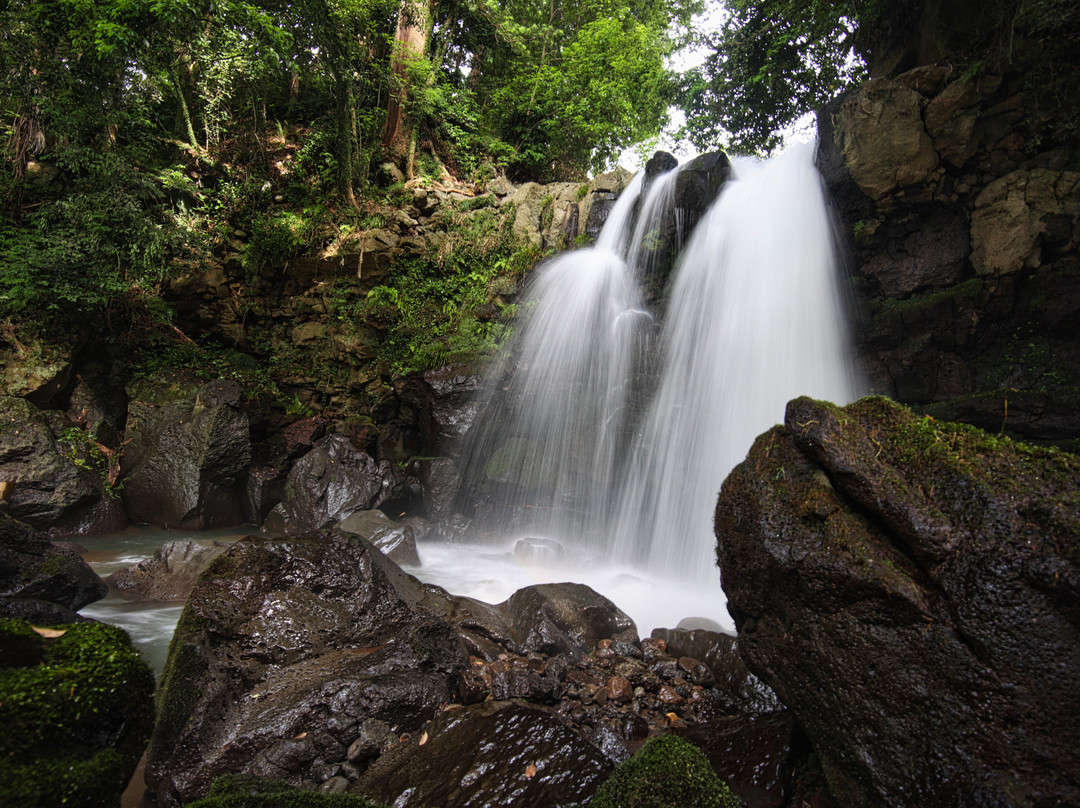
(76, 708)
(910, 590)
(667, 772)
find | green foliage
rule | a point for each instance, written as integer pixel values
(428, 309)
(76, 710)
(86, 250)
(206, 362)
(771, 63)
(85, 452)
(667, 772)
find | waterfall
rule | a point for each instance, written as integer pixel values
(755, 319)
(555, 423)
(567, 449)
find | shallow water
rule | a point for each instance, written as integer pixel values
(487, 572)
(150, 623)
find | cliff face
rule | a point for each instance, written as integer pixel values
(958, 195)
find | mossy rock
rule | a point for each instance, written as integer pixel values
(668, 772)
(239, 791)
(76, 711)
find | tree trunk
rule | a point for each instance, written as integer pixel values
(411, 40)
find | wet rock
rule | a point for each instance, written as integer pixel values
(187, 460)
(42, 485)
(564, 618)
(292, 640)
(393, 539)
(331, 482)
(753, 754)
(892, 579)
(539, 552)
(444, 402)
(169, 574)
(33, 570)
(498, 753)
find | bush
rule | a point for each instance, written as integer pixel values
(667, 772)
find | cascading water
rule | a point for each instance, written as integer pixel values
(556, 423)
(754, 319)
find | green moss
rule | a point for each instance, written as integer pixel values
(76, 712)
(668, 772)
(237, 791)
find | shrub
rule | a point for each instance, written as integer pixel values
(668, 772)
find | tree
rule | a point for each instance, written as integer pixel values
(771, 62)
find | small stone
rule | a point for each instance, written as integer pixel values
(670, 696)
(619, 689)
(335, 785)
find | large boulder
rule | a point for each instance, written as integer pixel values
(169, 574)
(909, 589)
(76, 703)
(396, 540)
(35, 571)
(331, 482)
(187, 460)
(40, 481)
(285, 648)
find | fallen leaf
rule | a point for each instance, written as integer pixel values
(300, 736)
(530, 771)
(50, 633)
(423, 739)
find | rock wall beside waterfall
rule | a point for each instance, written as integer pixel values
(959, 199)
(909, 589)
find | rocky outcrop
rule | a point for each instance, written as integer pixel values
(40, 481)
(285, 648)
(960, 202)
(316, 661)
(331, 482)
(169, 574)
(188, 454)
(909, 588)
(35, 573)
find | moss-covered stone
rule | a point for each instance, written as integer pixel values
(235, 791)
(76, 712)
(668, 772)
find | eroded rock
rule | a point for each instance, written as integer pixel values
(909, 590)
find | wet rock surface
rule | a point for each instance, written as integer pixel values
(40, 483)
(909, 590)
(40, 579)
(497, 753)
(285, 647)
(315, 660)
(187, 460)
(169, 574)
(330, 482)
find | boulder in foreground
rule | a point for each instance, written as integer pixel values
(910, 590)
